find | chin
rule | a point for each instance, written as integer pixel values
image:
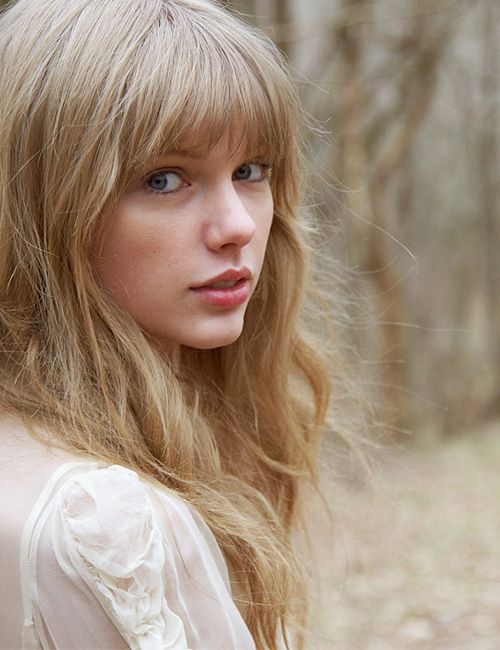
(214, 337)
(213, 342)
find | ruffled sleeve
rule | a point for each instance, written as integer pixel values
(110, 562)
(111, 535)
(95, 564)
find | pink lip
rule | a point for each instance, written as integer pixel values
(226, 297)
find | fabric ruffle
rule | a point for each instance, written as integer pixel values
(110, 520)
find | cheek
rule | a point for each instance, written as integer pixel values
(128, 262)
(265, 222)
(259, 203)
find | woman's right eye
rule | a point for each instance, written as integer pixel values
(164, 182)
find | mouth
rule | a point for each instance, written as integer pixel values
(229, 289)
(226, 280)
(224, 284)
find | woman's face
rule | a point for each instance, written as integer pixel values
(185, 246)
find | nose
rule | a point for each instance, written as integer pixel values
(229, 222)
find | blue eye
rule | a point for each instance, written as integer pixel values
(251, 172)
(165, 182)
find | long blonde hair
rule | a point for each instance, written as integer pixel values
(89, 92)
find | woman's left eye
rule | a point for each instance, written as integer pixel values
(251, 172)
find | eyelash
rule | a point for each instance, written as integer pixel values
(266, 168)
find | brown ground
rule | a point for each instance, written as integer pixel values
(416, 565)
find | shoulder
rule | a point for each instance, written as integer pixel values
(110, 501)
(137, 558)
(108, 508)
(97, 529)
(113, 507)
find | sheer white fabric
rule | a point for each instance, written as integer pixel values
(95, 558)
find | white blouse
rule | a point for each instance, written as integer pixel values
(93, 557)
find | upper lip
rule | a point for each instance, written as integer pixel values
(229, 275)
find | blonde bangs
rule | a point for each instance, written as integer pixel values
(195, 83)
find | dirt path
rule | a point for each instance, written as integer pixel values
(417, 565)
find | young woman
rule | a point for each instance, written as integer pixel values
(160, 405)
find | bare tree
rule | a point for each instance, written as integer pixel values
(374, 144)
(488, 177)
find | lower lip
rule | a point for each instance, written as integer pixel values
(230, 297)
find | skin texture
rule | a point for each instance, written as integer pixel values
(186, 220)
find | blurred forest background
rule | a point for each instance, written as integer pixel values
(407, 192)
(409, 93)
